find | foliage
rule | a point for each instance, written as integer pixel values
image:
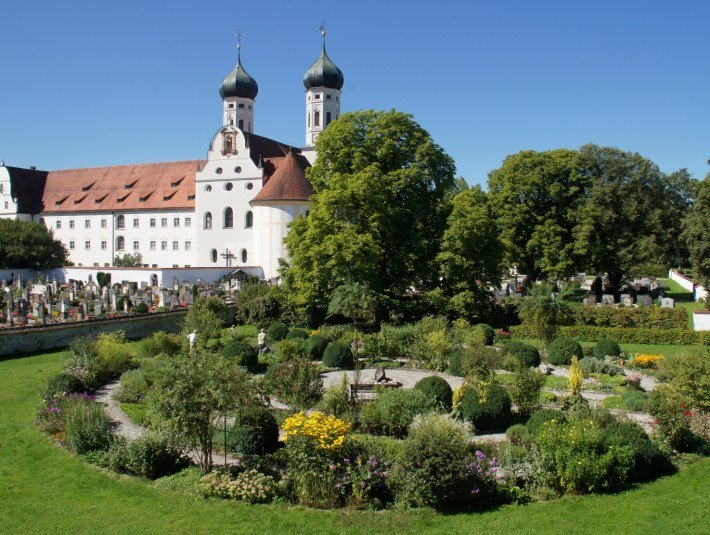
(277, 332)
(689, 373)
(479, 361)
(528, 356)
(563, 349)
(254, 431)
(398, 340)
(153, 456)
(128, 260)
(437, 390)
(487, 406)
(206, 317)
(159, 342)
(61, 384)
(141, 308)
(432, 345)
(576, 378)
(86, 425)
(650, 317)
(296, 382)
(28, 244)
(673, 419)
(250, 486)
(518, 434)
(525, 390)
(338, 355)
(297, 334)
(353, 300)
(682, 337)
(337, 401)
(606, 347)
(186, 480)
(471, 256)
(103, 279)
(541, 416)
(386, 449)
(393, 411)
(327, 432)
(133, 388)
(315, 346)
(242, 353)
(644, 360)
(696, 234)
(115, 354)
(488, 334)
(192, 392)
(544, 310)
(379, 209)
(256, 303)
(590, 365)
(292, 349)
(648, 460)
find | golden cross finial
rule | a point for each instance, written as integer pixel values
(238, 36)
(322, 29)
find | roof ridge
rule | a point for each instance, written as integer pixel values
(199, 160)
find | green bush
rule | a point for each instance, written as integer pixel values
(479, 361)
(186, 480)
(488, 411)
(563, 349)
(527, 355)
(255, 431)
(518, 434)
(632, 317)
(315, 346)
(525, 390)
(336, 401)
(624, 335)
(590, 365)
(277, 332)
(297, 334)
(141, 308)
(648, 460)
(133, 386)
(115, 355)
(242, 352)
(606, 347)
(159, 343)
(338, 332)
(294, 348)
(437, 390)
(62, 384)
(456, 363)
(393, 411)
(338, 355)
(383, 448)
(153, 457)
(487, 332)
(398, 340)
(541, 416)
(86, 425)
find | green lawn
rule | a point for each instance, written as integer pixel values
(43, 489)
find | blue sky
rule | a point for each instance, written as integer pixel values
(96, 83)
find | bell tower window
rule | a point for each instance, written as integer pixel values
(316, 119)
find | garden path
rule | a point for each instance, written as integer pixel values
(407, 377)
(124, 426)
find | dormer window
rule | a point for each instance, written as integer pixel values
(88, 187)
(130, 185)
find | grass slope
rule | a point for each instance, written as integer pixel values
(45, 490)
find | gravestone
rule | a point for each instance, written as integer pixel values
(644, 300)
(515, 295)
(41, 315)
(590, 301)
(144, 285)
(80, 312)
(627, 300)
(667, 302)
(98, 308)
(607, 299)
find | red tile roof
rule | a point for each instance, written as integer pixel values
(152, 186)
(288, 182)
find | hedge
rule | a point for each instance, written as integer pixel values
(623, 335)
(641, 318)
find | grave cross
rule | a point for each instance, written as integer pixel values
(227, 255)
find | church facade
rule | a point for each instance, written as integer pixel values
(230, 209)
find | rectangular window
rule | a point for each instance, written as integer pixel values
(103, 223)
(87, 223)
(163, 246)
(188, 221)
(164, 222)
(7, 205)
(152, 222)
(188, 245)
(175, 246)
(152, 246)
(71, 245)
(317, 97)
(59, 224)
(327, 97)
(176, 222)
(175, 265)
(135, 222)
(241, 105)
(96, 264)
(104, 245)
(87, 245)
(71, 223)
(107, 264)
(136, 245)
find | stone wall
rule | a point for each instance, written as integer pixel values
(32, 339)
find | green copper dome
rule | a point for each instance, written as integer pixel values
(238, 83)
(323, 73)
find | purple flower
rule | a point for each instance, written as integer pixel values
(346, 461)
(475, 491)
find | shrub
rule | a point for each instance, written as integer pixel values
(62, 384)
(563, 349)
(338, 332)
(518, 434)
(479, 361)
(278, 331)
(606, 347)
(186, 480)
(250, 486)
(633, 317)
(133, 386)
(487, 333)
(292, 349)
(393, 411)
(315, 346)
(297, 334)
(115, 355)
(526, 354)
(488, 408)
(541, 416)
(456, 363)
(296, 382)
(242, 352)
(398, 340)
(386, 449)
(255, 431)
(152, 456)
(590, 365)
(141, 308)
(624, 335)
(338, 355)
(437, 390)
(525, 390)
(159, 343)
(86, 425)
(643, 360)
(648, 461)
(337, 402)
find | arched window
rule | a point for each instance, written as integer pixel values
(120, 222)
(327, 118)
(316, 119)
(213, 256)
(208, 220)
(244, 256)
(228, 217)
(120, 243)
(241, 124)
(249, 219)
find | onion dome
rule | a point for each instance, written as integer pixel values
(323, 73)
(238, 83)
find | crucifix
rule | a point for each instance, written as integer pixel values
(227, 255)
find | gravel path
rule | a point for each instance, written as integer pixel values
(407, 377)
(123, 424)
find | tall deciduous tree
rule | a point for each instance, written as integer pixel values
(28, 244)
(696, 232)
(535, 197)
(378, 213)
(471, 255)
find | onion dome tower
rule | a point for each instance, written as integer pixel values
(238, 91)
(323, 81)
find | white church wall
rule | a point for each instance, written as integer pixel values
(271, 222)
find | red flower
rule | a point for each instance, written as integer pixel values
(688, 413)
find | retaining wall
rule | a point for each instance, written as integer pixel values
(32, 339)
(684, 281)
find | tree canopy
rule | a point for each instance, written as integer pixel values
(28, 244)
(696, 232)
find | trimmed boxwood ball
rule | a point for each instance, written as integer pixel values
(648, 460)
(488, 332)
(562, 349)
(297, 334)
(277, 332)
(436, 389)
(242, 352)
(526, 354)
(493, 413)
(255, 431)
(315, 346)
(606, 347)
(338, 355)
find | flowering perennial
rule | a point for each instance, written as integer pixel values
(328, 432)
(644, 360)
